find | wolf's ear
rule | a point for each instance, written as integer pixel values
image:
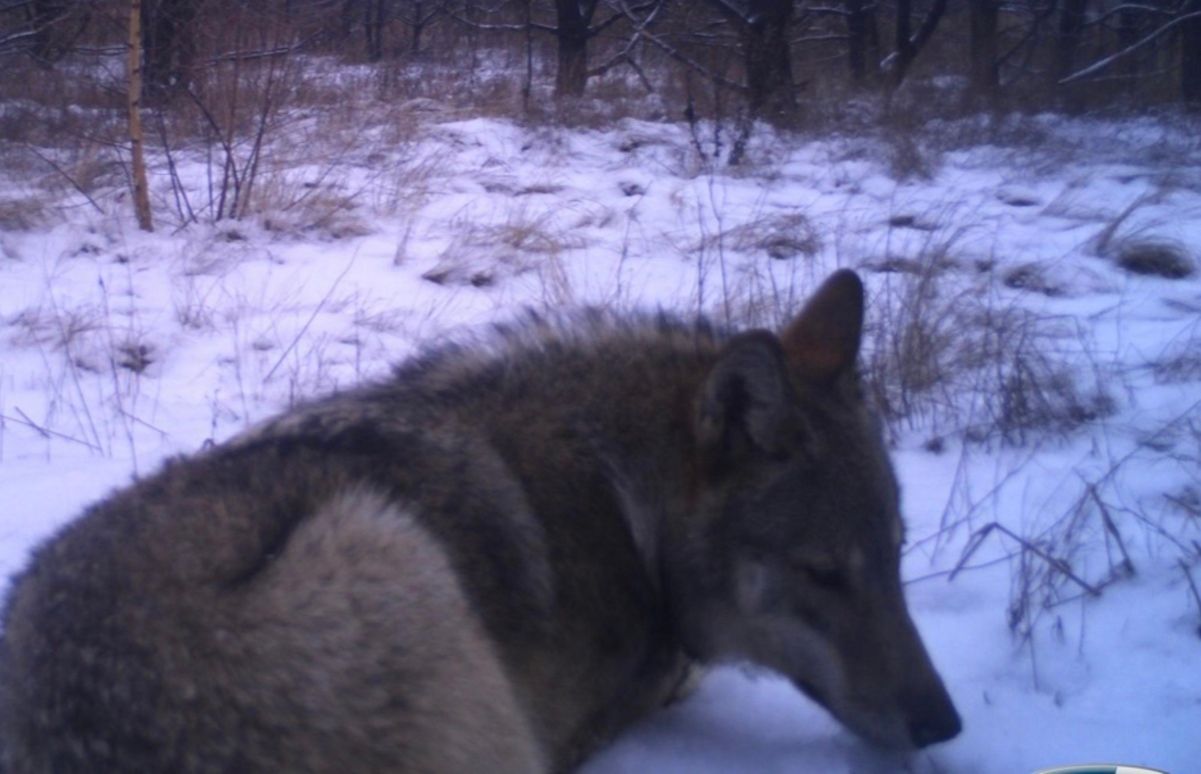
(747, 398)
(823, 341)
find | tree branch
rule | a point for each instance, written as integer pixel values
(1109, 60)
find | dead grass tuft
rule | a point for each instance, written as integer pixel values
(958, 360)
(483, 254)
(1155, 257)
(22, 214)
(781, 237)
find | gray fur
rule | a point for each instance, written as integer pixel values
(495, 560)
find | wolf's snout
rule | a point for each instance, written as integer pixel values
(934, 728)
(933, 719)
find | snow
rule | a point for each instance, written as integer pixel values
(467, 221)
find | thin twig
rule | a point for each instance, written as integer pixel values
(977, 539)
(1111, 528)
(1188, 575)
(1107, 61)
(144, 423)
(46, 432)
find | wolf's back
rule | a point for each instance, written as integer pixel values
(427, 574)
(353, 649)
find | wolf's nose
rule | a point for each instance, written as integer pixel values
(935, 726)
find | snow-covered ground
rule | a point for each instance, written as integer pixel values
(1059, 400)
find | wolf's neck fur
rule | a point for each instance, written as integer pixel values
(604, 397)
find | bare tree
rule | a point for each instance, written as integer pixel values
(50, 30)
(1182, 18)
(985, 67)
(1068, 36)
(45, 19)
(863, 42)
(168, 29)
(575, 26)
(909, 43)
(346, 17)
(141, 191)
(374, 17)
(572, 32)
(417, 15)
(762, 27)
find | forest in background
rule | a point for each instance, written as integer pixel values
(103, 80)
(775, 59)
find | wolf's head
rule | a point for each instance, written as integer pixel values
(796, 562)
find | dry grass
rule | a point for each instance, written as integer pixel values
(784, 236)
(483, 254)
(1102, 538)
(22, 214)
(1138, 248)
(967, 363)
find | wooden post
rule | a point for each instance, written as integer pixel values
(141, 192)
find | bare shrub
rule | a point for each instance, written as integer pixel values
(1180, 363)
(780, 236)
(192, 305)
(1103, 537)
(1035, 392)
(77, 101)
(1137, 249)
(1047, 573)
(293, 202)
(960, 361)
(482, 254)
(58, 330)
(907, 159)
(908, 155)
(21, 214)
(763, 293)
(912, 344)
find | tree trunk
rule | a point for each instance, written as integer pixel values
(527, 86)
(1067, 41)
(346, 18)
(45, 16)
(904, 24)
(768, 58)
(373, 28)
(910, 44)
(1128, 28)
(572, 33)
(168, 44)
(985, 77)
(418, 27)
(141, 191)
(856, 18)
(874, 57)
(1190, 57)
(572, 75)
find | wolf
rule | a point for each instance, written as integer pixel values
(496, 559)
